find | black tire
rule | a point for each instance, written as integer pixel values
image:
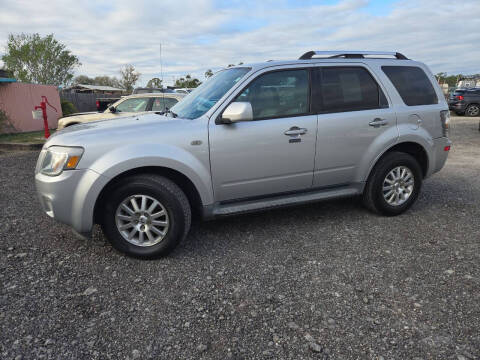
(164, 191)
(373, 197)
(472, 110)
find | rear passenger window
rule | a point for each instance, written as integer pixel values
(412, 84)
(349, 89)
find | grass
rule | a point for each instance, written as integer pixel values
(26, 137)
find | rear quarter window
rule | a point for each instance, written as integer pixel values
(412, 84)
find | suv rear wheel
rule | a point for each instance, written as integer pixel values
(472, 110)
(146, 216)
(393, 185)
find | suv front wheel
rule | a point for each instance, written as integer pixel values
(146, 216)
(393, 185)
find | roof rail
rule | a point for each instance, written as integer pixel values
(351, 54)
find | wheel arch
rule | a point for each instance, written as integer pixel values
(412, 148)
(180, 179)
(71, 123)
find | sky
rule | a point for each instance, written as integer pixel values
(196, 35)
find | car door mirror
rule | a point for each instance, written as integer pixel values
(112, 109)
(237, 111)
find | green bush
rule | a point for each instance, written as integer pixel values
(5, 124)
(68, 108)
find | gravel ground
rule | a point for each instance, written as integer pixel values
(328, 281)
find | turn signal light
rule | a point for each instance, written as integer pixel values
(72, 162)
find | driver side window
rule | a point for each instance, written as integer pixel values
(278, 94)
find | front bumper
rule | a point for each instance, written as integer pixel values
(70, 197)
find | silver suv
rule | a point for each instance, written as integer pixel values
(253, 137)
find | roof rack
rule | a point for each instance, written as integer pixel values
(351, 54)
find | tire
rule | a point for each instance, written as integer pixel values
(373, 194)
(172, 205)
(472, 110)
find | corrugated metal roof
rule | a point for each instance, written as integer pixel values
(96, 87)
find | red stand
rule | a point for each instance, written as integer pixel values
(43, 106)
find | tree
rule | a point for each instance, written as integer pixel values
(107, 81)
(40, 60)
(98, 80)
(187, 82)
(208, 73)
(129, 77)
(83, 79)
(155, 83)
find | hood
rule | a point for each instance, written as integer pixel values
(123, 129)
(94, 116)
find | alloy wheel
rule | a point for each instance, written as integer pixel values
(398, 186)
(142, 220)
(473, 110)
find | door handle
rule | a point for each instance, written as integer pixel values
(295, 130)
(377, 122)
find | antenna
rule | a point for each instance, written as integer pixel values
(161, 65)
(161, 76)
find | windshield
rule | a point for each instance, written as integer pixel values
(199, 101)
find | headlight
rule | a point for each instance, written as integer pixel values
(59, 158)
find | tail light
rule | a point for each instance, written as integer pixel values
(445, 119)
(97, 103)
(459, 97)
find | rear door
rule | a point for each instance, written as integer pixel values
(353, 114)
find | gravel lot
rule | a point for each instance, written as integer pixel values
(328, 281)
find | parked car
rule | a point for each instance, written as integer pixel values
(126, 106)
(183, 90)
(102, 104)
(152, 90)
(465, 102)
(252, 137)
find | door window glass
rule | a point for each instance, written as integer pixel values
(349, 89)
(133, 105)
(161, 103)
(412, 84)
(278, 94)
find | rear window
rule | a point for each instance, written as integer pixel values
(412, 84)
(349, 89)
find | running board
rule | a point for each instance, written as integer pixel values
(219, 210)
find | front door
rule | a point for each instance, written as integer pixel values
(273, 153)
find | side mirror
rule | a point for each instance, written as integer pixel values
(112, 109)
(237, 111)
